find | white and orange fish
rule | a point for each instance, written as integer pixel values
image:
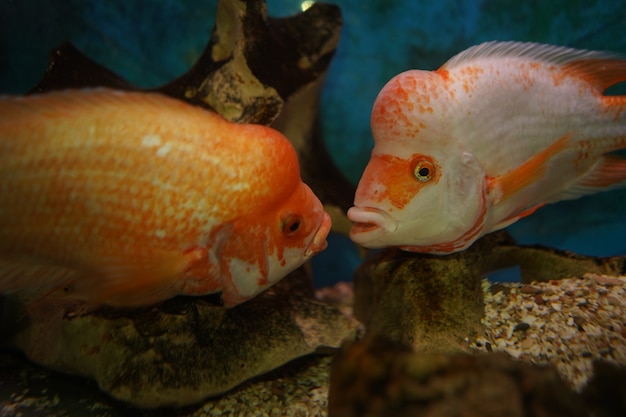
(143, 197)
(497, 132)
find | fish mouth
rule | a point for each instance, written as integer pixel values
(319, 242)
(370, 222)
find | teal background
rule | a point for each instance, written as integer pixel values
(150, 43)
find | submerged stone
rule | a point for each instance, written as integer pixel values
(435, 303)
(186, 349)
(378, 377)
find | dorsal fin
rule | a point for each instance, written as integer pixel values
(139, 279)
(599, 68)
(553, 54)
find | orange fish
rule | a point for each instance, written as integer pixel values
(497, 132)
(143, 197)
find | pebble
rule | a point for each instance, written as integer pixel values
(521, 327)
(569, 322)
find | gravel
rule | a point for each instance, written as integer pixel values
(568, 322)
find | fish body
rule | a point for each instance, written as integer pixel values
(143, 197)
(497, 132)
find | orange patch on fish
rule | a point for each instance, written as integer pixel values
(398, 176)
(389, 110)
(529, 172)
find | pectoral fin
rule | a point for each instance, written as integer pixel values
(509, 184)
(139, 280)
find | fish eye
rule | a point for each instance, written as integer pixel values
(291, 224)
(423, 170)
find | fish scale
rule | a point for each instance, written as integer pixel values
(142, 197)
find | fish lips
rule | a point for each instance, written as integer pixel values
(319, 242)
(370, 224)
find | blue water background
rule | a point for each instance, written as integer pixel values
(150, 43)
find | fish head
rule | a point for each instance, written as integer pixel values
(298, 231)
(420, 203)
(421, 190)
(273, 242)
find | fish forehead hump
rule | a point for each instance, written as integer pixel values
(413, 104)
(523, 94)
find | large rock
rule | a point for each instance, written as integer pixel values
(183, 350)
(377, 377)
(435, 303)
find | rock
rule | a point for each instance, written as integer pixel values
(377, 377)
(435, 303)
(254, 63)
(540, 263)
(605, 393)
(184, 350)
(300, 390)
